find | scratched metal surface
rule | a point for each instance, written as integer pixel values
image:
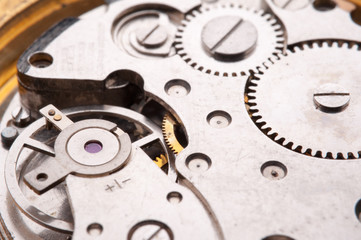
(231, 181)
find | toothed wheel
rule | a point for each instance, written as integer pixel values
(228, 40)
(169, 134)
(310, 100)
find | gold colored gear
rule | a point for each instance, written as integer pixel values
(161, 161)
(168, 129)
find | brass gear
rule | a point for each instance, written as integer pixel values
(161, 160)
(168, 130)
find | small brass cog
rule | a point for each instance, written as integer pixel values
(168, 129)
(161, 160)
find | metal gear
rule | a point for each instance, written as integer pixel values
(228, 40)
(314, 107)
(168, 130)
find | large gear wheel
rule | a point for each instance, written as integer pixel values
(228, 40)
(314, 105)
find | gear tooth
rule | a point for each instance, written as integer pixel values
(308, 152)
(289, 145)
(267, 16)
(274, 23)
(340, 156)
(345, 45)
(334, 44)
(260, 122)
(314, 45)
(354, 47)
(329, 155)
(297, 49)
(181, 52)
(253, 88)
(298, 149)
(250, 69)
(261, 12)
(277, 138)
(350, 155)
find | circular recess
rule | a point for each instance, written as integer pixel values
(324, 5)
(41, 177)
(40, 60)
(177, 88)
(277, 237)
(150, 229)
(274, 170)
(198, 162)
(219, 119)
(358, 210)
(95, 229)
(174, 197)
(93, 146)
(83, 148)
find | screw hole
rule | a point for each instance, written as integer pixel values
(274, 170)
(93, 146)
(95, 229)
(174, 197)
(40, 60)
(177, 88)
(324, 5)
(219, 119)
(42, 177)
(198, 162)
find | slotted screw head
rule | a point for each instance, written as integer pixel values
(152, 36)
(150, 232)
(291, 5)
(229, 38)
(331, 98)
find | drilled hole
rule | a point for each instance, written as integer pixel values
(174, 197)
(41, 60)
(93, 146)
(198, 162)
(95, 229)
(41, 177)
(274, 170)
(177, 88)
(219, 119)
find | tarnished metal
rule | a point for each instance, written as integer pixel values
(159, 119)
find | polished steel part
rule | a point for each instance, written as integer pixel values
(226, 179)
(229, 40)
(326, 115)
(229, 37)
(309, 23)
(331, 98)
(48, 176)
